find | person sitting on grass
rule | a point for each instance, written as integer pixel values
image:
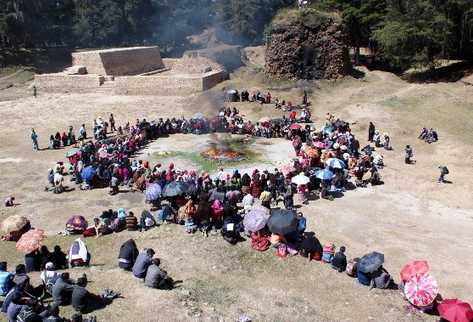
(143, 261)
(128, 255)
(339, 261)
(157, 277)
(10, 201)
(62, 290)
(49, 277)
(83, 301)
(6, 279)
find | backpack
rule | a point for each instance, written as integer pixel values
(352, 267)
(382, 280)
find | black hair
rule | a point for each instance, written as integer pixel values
(3, 266)
(82, 281)
(20, 269)
(150, 252)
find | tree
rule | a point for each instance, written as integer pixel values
(245, 20)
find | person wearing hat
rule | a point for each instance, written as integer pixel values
(49, 276)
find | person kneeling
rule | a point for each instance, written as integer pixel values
(157, 277)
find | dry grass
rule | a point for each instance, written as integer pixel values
(410, 217)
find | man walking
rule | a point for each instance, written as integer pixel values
(34, 139)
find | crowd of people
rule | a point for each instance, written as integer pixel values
(24, 302)
(327, 161)
(107, 161)
(234, 95)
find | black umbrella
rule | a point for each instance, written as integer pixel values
(283, 221)
(175, 188)
(371, 262)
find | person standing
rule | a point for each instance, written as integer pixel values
(34, 139)
(408, 154)
(112, 123)
(443, 172)
(371, 131)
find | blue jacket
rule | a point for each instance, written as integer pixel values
(5, 282)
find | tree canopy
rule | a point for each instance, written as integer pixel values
(403, 33)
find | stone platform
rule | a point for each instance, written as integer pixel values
(133, 71)
(119, 61)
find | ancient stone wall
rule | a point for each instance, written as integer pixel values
(158, 85)
(212, 79)
(62, 83)
(120, 61)
(307, 44)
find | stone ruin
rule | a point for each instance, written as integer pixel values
(133, 71)
(307, 44)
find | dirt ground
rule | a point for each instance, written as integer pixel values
(409, 217)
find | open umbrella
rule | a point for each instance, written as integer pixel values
(30, 241)
(455, 310)
(324, 174)
(175, 188)
(287, 168)
(311, 152)
(265, 119)
(300, 179)
(320, 145)
(14, 223)
(283, 221)
(416, 267)
(371, 262)
(421, 290)
(72, 152)
(295, 127)
(76, 223)
(88, 173)
(256, 218)
(153, 192)
(335, 163)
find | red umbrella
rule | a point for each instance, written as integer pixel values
(295, 127)
(454, 310)
(421, 290)
(417, 267)
(30, 241)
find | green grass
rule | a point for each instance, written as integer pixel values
(211, 166)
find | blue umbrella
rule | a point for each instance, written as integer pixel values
(324, 174)
(335, 163)
(371, 262)
(175, 188)
(88, 173)
(153, 192)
